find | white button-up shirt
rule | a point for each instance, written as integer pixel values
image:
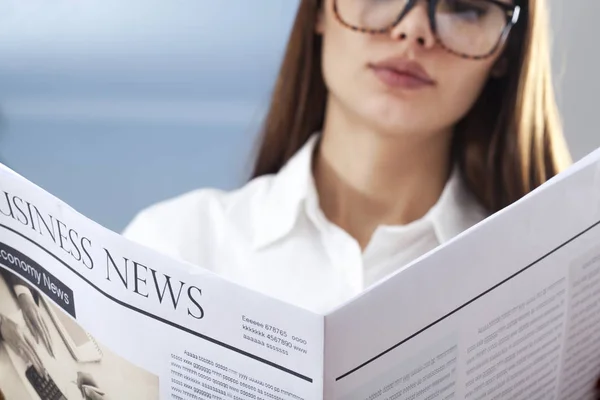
(271, 235)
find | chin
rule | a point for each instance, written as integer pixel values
(397, 119)
(399, 116)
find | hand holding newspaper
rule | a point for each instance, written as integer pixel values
(509, 309)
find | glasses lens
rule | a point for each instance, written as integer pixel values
(470, 27)
(370, 14)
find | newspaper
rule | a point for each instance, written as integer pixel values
(127, 323)
(509, 309)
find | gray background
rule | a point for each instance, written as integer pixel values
(112, 105)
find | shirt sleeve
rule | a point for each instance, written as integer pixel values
(140, 229)
(187, 228)
(146, 230)
(17, 284)
(161, 229)
(21, 289)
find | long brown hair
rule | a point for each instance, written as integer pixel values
(508, 144)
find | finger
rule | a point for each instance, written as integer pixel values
(29, 358)
(92, 394)
(96, 396)
(19, 347)
(45, 332)
(31, 328)
(34, 357)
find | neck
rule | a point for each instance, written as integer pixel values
(366, 178)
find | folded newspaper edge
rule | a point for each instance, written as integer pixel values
(508, 309)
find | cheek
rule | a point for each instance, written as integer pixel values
(462, 85)
(343, 58)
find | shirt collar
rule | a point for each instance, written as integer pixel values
(455, 211)
(278, 212)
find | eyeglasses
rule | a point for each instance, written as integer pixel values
(471, 29)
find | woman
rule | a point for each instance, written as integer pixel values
(394, 126)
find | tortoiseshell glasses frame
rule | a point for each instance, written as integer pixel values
(511, 13)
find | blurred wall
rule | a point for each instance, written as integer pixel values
(112, 105)
(576, 66)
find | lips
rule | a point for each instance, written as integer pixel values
(400, 72)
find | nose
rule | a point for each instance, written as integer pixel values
(415, 27)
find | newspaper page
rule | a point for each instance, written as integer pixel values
(87, 314)
(510, 309)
